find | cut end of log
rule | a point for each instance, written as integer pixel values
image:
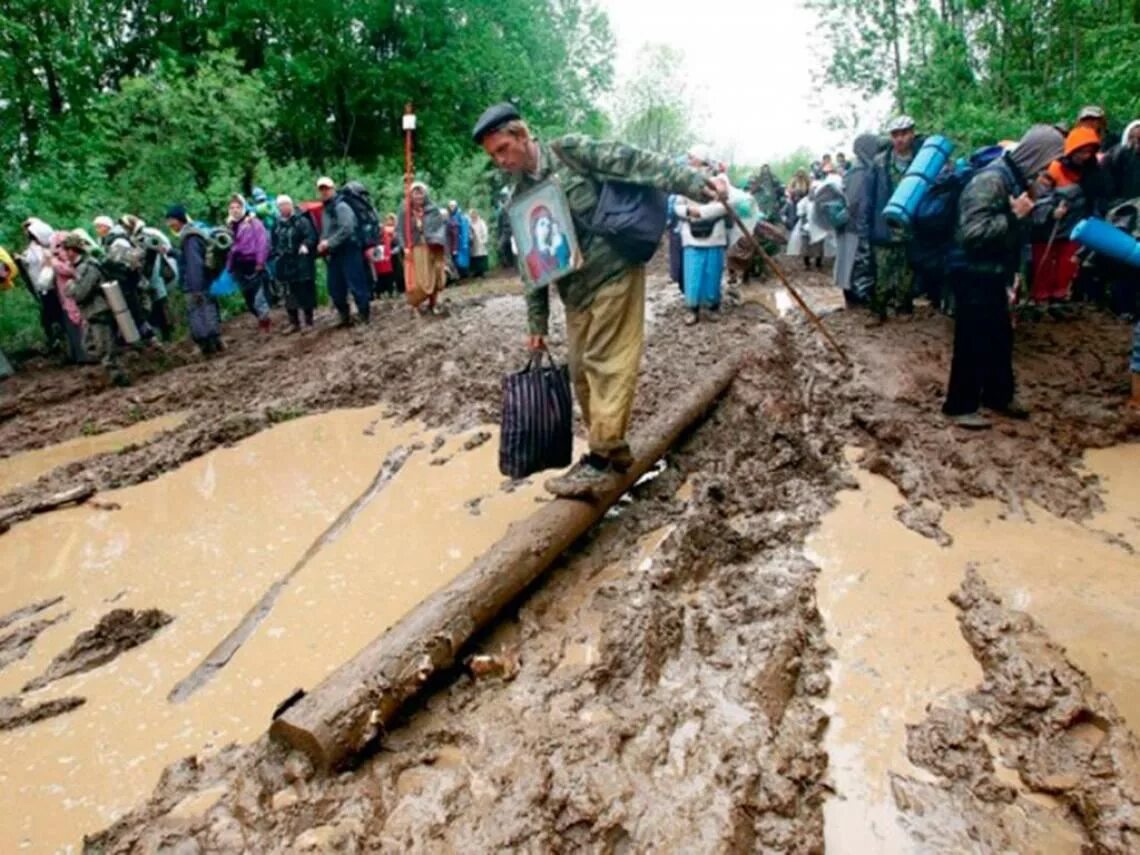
(302, 740)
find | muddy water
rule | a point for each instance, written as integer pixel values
(24, 468)
(204, 543)
(883, 593)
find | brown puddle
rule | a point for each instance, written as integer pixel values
(27, 466)
(883, 594)
(204, 543)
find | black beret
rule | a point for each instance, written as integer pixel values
(493, 118)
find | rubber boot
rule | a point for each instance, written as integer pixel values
(264, 324)
(345, 319)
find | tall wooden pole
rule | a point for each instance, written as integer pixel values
(409, 177)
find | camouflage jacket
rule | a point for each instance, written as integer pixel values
(86, 289)
(581, 165)
(989, 233)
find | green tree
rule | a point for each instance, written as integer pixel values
(655, 108)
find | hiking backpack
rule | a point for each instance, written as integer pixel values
(356, 197)
(935, 220)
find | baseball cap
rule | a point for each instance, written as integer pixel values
(325, 181)
(1090, 111)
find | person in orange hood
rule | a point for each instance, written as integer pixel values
(1054, 262)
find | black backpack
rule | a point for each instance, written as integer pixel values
(356, 197)
(632, 217)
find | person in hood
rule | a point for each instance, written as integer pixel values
(480, 248)
(423, 239)
(1123, 165)
(994, 213)
(853, 272)
(1053, 264)
(37, 262)
(247, 259)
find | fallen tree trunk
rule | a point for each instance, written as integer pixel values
(354, 703)
(73, 496)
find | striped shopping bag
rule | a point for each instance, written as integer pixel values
(538, 419)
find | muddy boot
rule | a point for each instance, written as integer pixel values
(972, 421)
(264, 324)
(1013, 410)
(589, 477)
(365, 315)
(344, 319)
(692, 317)
(1134, 401)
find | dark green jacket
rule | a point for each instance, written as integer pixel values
(989, 234)
(86, 289)
(581, 164)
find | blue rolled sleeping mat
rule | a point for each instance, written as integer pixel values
(928, 163)
(1107, 239)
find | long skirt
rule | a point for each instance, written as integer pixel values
(848, 247)
(704, 268)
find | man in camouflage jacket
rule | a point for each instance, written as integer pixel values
(605, 297)
(87, 291)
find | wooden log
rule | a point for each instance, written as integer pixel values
(72, 496)
(353, 704)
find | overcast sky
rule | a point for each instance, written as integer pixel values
(750, 60)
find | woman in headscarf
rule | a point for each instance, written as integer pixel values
(423, 237)
(37, 261)
(70, 316)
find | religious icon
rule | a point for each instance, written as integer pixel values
(544, 233)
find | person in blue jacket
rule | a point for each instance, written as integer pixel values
(459, 238)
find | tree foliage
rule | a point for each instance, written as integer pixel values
(132, 104)
(983, 71)
(655, 108)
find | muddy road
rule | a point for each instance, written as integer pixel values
(697, 673)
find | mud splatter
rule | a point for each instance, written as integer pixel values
(116, 632)
(15, 645)
(28, 610)
(14, 714)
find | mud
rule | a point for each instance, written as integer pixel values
(15, 713)
(673, 671)
(28, 611)
(1036, 714)
(116, 632)
(15, 645)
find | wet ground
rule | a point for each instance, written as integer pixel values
(758, 650)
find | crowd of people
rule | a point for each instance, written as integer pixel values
(996, 239)
(1009, 211)
(267, 251)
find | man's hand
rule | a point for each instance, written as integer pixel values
(694, 212)
(304, 250)
(1061, 211)
(716, 189)
(535, 343)
(1022, 205)
(323, 247)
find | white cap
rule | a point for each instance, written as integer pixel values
(325, 181)
(283, 199)
(902, 123)
(104, 221)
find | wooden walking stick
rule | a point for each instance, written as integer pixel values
(775, 268)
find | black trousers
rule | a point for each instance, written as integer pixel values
(981, 373)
